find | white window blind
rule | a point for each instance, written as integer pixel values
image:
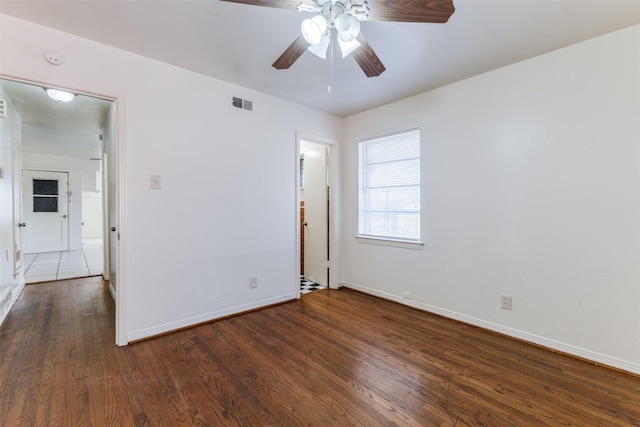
(390, 187)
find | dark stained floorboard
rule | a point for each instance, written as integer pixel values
(333, 358)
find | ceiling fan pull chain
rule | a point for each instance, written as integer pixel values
(330, 62)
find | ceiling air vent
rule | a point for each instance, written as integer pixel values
(241, 103)
(3, 109)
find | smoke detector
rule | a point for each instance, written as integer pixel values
(54, 57)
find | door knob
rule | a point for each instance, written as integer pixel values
(304, 223)
(113, 229)
(64, 216)
(22, 224)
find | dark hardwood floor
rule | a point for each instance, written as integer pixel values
(333, 358)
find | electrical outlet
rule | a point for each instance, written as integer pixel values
(406, 295)
(505, 302)
(253, 282)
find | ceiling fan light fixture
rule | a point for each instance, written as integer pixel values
(60, 95)
(313, 29)
(347, 26)
(320, 49)
(348, 47)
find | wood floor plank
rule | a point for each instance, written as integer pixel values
(333, 358)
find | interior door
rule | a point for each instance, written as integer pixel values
(316, 212)
(16, 153)
(45, 211)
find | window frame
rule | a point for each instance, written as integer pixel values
(386, 240)
(43, 193)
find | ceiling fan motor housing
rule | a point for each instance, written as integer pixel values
(331, 9)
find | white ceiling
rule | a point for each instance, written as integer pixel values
(238, 43)
(50, 127)
(58, 128)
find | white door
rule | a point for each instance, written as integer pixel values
(316, 212)
(45, 211)
(16, 153)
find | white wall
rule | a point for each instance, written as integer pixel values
(92, 211)
(227, 208)
(77, 168)
(530, 188)
(92, 225)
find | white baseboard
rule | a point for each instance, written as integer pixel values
(207, 317)
(6, 297)
(112, 291)
(593, 356)
(15, 293)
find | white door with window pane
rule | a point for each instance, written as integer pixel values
(45, 211)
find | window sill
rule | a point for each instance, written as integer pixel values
(389, 242)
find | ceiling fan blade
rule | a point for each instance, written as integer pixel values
(282, 4)
(291, 54)
(436, 11)
(367, 58)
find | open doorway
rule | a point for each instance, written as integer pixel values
(101, 143)
(314, 215)
(61, 168)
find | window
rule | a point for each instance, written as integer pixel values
(390, 187)
(45, 195)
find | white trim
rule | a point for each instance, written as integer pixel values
(371, 240)
(121, 224)
(209, 317)
(15, 293)
(112, 291)
(583, 353)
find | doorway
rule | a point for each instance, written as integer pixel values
(84, 131)
(59, 179)
(314, 215)
(61, 166)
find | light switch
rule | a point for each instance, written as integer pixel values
(155, 182)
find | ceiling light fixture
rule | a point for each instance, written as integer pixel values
(332, 14)
(348, 28)
(60, 95)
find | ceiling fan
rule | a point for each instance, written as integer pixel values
(344, 17)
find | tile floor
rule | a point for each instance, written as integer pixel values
(47, 266)
(307, 286)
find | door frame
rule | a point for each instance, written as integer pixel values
(333, 263)
(118, 98)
